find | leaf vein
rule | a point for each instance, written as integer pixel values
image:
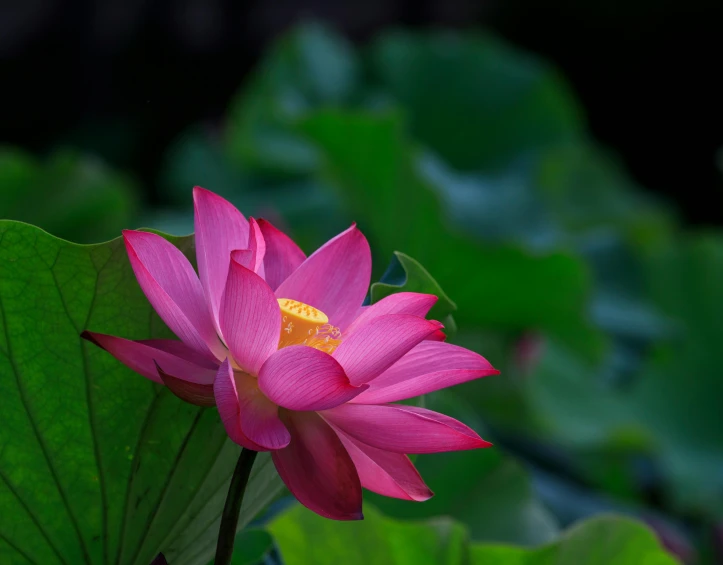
(166, 484)
(32, 515)
(38, 435)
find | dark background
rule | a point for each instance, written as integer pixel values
(123, 77)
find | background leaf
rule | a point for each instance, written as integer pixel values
(369, 162)
(72, 196)
(474, 100)
(375, 539)
(381, 540)
(404, 274)
(670, 412)
(487, 491)
(310, 66)
(599, 541)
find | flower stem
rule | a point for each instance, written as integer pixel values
(229, 518)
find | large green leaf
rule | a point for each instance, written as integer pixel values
(369, 163)
(474, 100)
(304, 538)
(71, 196)
(98, 464)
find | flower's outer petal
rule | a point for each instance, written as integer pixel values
(173, 289)
(229, 408)
(379, 343)
(193, 393)
(251, 420)
(317, 469)
(180, 349)
(412, 303)
(142, 359)
(303, 378)
(250, 318)
(403, 429)
(259, 416)
(430, 366)
(384, 472)
(220, 228)
(282, 257)
(334, 279)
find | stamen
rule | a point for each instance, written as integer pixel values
(327, 338)
(302, 324)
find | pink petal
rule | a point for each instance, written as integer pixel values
(257, 245)
(379, 343)
(253, 257)
(194, 393)
(180, 349)
(250, 318)
(317, 469)
(430, 366)
(302, 378)
(384, 472)
(439, 335)
(142, 358)
(173, 289)
(334, 279)
(403, 429)
(251, 420)
(282, 257)
(220, 228)
(412, 303)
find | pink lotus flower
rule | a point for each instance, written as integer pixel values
(295, 364)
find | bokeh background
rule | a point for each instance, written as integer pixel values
(555, 166)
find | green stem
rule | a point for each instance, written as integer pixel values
(229, 518)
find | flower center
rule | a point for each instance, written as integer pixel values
(302, 324)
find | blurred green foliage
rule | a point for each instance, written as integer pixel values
(382, 541)
(474, 158)
(71, 196)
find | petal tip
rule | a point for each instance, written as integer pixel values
(200, 191)
(90, 336)
(423, 497)
(130, 237)
(355, 516)
(129, 234)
